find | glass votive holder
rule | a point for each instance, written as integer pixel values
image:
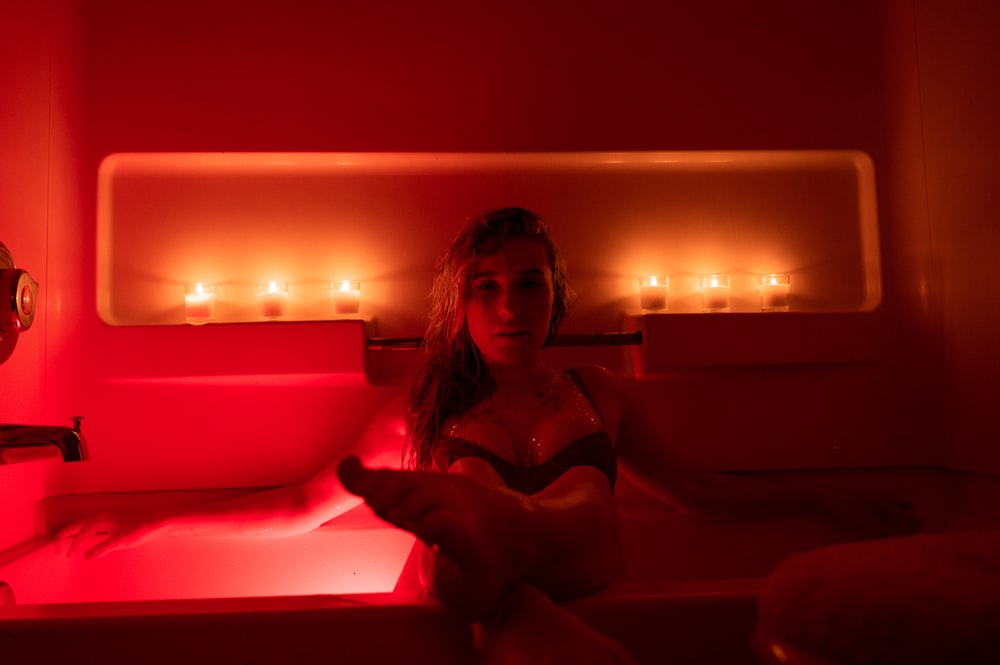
(774, 292)
(653, 293)
(714, 293)
(345, 298)
(199, 302)
(272, 300)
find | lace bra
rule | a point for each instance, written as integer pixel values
(596, 450)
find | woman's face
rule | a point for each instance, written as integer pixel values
(508, 304)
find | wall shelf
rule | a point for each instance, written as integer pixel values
(686, 341)
(307, 219)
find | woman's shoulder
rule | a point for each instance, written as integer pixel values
(597, 375)
(603, 387)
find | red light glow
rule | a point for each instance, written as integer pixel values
(358, 555)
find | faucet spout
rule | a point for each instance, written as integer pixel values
(68, 440)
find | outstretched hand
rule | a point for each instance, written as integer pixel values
(95, 537)
(483, 537)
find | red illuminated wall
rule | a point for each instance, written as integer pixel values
(960, 93)
(24, 103)
(40, 213)
(455, 76)
(222, 75)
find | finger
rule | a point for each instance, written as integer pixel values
(87, 532)
(431, 524)
(383, 488)
(85, 541)
(421, 497)
(83, 526)
(71, 529)
(359, 479)
(104, 548)
(377, 484)
(349, 469)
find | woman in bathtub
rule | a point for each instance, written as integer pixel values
(512, 463)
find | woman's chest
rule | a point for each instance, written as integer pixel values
(529, 428)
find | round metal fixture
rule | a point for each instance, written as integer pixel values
(19, 292)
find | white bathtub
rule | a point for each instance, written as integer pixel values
(341, 592)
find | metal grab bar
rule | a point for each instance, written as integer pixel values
(568, 339)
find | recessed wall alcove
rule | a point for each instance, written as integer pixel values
(306, 219)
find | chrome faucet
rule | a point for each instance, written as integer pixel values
(22, 438)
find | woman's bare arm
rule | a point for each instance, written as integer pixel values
(279, 512)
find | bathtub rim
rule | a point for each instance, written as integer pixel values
(381, 604)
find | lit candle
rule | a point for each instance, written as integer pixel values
(199, 302)
(346, 297)
(714, 293)
(272, 298)
(774, 293)
(653, 293)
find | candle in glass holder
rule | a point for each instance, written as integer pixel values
(199, 302)
(774, 290)
(272, 300)
(345, 295)
(653, 293)
(714, 293)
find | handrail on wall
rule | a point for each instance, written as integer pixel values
(568, 339)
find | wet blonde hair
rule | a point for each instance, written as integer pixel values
(453, 375)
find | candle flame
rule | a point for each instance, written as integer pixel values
(345, 285)
(199, 289)
(273, 287)
(713, 282)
